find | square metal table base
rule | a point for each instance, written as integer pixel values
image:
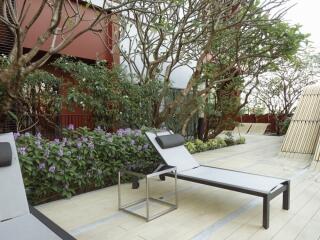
(148, 199)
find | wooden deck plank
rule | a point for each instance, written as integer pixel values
(203, 210)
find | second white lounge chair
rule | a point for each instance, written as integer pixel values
(172, 150)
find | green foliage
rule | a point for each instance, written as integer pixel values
(240, 55)
(284, 125)
(35, 97)
(109, 95)
(83, 160)
(200, 146)
(41, 88)
(241, 140)
(2, 92)
(229, 139)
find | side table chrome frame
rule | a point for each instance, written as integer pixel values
(148, 217)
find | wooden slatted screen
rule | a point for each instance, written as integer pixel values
(303, 133)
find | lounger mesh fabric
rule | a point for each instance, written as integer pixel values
(26, 227)
(13, 200)
(175, 156)
(234, 178)
(16, 221)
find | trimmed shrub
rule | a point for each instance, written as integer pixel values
(82, 161)
(200, 146)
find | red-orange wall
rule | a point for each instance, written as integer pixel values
(87, 46)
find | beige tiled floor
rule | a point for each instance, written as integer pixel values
(205, 212)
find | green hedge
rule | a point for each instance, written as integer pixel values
(82, 161)
(85, 160)
(200, 146)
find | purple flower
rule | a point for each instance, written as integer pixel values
(122, 132)
(38, 144)
(127, 131)
(98, 129)
(79, 144)
(22, 151)
(60, 152)
(146, 146)
(52, 169)
(71, 127)
(39, 136)
(57, 141)
(16, 135)
(42, 166)
(91, 145)
(132, 142)
(137, 132)
(68, 142)
(108, 135)
(84, 139)
(64, 139)
(46, 153)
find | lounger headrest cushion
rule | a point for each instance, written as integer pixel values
(5, 154)
(169, 141)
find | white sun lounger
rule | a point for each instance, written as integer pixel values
(258, 128)
(242, 128)
(18, 220)
(190, 170)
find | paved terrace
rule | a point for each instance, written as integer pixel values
(205, 212)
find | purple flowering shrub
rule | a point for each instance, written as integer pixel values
(81, 161)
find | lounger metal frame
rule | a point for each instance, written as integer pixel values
(267, 196)
(50, 224)
(148, 199)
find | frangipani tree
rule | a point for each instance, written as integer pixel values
(219, 41)
(280, 90)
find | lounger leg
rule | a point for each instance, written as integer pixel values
(162, 177)
(286, 197)
(266, 212)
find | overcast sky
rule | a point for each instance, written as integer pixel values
(307, 14)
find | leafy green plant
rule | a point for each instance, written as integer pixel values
(114, 100)
(200, 146)
(82, 160)
(285, 125)
(191, 146)
(240, 140)
(229, 139)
